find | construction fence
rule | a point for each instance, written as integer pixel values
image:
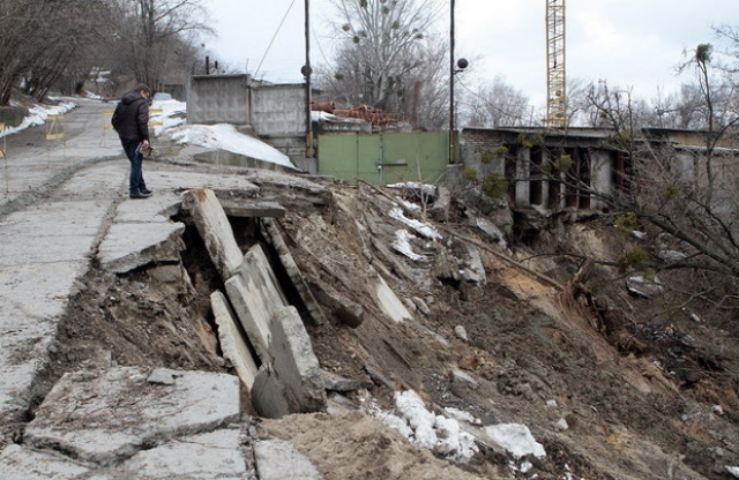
(386, 158)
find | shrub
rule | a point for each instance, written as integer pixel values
(469, 173)
(494, 185)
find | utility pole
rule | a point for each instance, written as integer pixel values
(452, 72)
(307, 71)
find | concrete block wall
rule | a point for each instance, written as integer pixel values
(218, 99)
(279, 110)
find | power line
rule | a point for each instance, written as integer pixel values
(274, 37)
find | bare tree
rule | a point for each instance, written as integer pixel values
(390, 57)
(684, 194)
(497, 104)
(148, 32)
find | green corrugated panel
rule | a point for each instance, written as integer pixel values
(385, 158)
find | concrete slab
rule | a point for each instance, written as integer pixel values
(233, 343)
(182, 181)
(296, 277)
(215, 230)
(127, 246)
(107, 417)
(278, 460)
(18, 463)
(390, 303)
(205, 456)
(255, 294)
(295, 363)
(253, 209)
(158, 208)
(69, 233)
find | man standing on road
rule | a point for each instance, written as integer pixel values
(131, 121)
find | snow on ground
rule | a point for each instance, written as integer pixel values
(424, 229)
(38, 115)
(173, 124)
(402, 244)
(437, 433)
(444, 436)
(515, 438)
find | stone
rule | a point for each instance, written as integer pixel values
(337, 383)
(421, 305)
(268, 394)
(461, 333)
(279, 460)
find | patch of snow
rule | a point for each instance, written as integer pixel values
(402, 244)
(173, 114)
(38, 114)
(423, 229)
(462, 416)
(639, 235)
(226, 137)
(437, 433)
(733, 470)
(516, 438)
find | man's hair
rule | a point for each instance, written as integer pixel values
(142, 87)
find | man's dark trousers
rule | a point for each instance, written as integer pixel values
(136, 179)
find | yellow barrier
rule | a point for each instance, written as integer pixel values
(108, 126)
(55, 128)
(4, 147)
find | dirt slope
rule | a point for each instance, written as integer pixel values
(610, 392)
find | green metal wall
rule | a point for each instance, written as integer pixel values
(386, 158)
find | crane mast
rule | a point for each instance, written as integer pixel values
(556, 86)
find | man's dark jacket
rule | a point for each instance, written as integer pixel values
(131, 117)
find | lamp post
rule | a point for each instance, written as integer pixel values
(307, 70)
(452, 149)
(453, 70)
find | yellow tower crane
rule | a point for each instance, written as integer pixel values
(556, 86)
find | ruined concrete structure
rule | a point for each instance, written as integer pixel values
(535, 161)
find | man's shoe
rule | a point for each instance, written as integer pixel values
(146, 191)
(139, 194)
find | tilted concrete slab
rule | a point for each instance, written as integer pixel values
(233, 343)
(255, 295)
(107, 417)
(18, 463)
(182, 181)
(278, 460)
(245, 209)
(295, 362)
(389, 302)
(215, 230)
(296, 277)
(128, 246)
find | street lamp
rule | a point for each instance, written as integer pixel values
(453, 70)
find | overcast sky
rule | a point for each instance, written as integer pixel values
(630, 43)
